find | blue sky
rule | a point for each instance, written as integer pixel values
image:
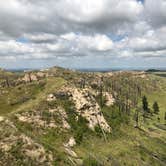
(83, 34)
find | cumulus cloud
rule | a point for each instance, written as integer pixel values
(25, 16)
(67, 44)
(150, 41)
(155, 11)
(73, 28)
(99, 15)
(97, 42)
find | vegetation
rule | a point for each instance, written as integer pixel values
(155, 107)
(137, 118)
(145, 104)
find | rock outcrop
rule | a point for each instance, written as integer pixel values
(45, 119)
(51, 97)
(109, 99)
(87, 107)
(29, 77)
(22, 145)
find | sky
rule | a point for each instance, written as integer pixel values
(83, 33)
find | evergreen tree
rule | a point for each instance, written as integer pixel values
(145, 104)
(155, 107)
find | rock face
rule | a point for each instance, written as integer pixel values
(109, 99)
(87, 107)
(29, 77)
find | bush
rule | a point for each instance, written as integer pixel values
(91, 162)
(98, 131)
(114, 117)
(80, 130)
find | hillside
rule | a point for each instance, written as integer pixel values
(62, 117)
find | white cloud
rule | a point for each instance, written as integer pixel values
(67, 43)
(26, 16)
(39, 38)
(65, 28)
(150, 41)
(95, 10)
(155, 11)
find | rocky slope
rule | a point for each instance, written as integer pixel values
(62, 117)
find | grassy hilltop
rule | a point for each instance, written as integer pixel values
(63, 117)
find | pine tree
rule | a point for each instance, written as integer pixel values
(145, 104)
(155, 107)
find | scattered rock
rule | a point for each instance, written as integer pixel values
(46, 119)
(36, 119)
(1, 118)
(71, 152)
(51, 97)
(34, 150)
(71, 142)
(7, 143)
(63, 117)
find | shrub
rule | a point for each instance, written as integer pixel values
(91, 162)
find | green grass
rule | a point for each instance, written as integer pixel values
(17, 96)
(160, 98)
(37, 91)
(129, 146)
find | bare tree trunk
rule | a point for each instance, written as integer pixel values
(7, 82)
(29, 75)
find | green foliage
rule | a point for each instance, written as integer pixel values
(101, 100)
(145, 104)
(98, 131)
(114, 117)
(90, 161)
(19, 95)
(79, 126)
(81, 130)
(155, 107)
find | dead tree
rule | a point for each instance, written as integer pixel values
(101, 92)
(7, 82)
(29, 76)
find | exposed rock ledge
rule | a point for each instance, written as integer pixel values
(87, 107)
